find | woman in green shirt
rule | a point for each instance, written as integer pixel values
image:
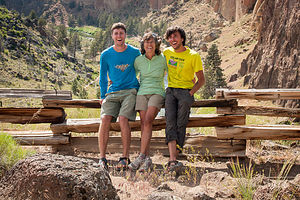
(151, 67)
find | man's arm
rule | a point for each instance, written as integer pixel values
(199, 83)
(103, 82)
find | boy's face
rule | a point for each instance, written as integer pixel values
(175, 40)
(118, 35)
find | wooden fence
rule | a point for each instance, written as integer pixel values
(232, 131)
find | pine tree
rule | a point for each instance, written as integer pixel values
(74, 44)
(32, 15)
(214, 77)
(61, 35)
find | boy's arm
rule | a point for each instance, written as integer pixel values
(199, 83)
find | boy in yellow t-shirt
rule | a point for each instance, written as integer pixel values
(183, 64)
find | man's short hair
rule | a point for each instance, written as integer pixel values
(174, 29)
(117, 26)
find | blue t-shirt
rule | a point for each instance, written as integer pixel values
(119, 66)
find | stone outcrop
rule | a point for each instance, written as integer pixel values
(52, 177)
(274, 62)
(158, 4)
(232, 10)
(117, 4)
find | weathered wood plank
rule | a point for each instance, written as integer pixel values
(32, 115)
(271, 132)
(258, 94)
(31, 132)
(31, 93)
(42, 139)
(201, 145)
(75, 103)
(92, 125)
(94, 103)
(262, 111)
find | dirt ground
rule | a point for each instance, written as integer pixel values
(267, 159)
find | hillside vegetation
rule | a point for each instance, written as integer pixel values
(31, 56)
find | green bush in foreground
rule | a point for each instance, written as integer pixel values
(10, 152)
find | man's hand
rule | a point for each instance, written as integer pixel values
(199, 83)
(101, 100)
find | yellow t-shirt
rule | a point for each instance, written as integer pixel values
(182, 67)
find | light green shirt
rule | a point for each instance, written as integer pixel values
(151, 74)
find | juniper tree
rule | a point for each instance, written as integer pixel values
(74, 44)
(214, 77)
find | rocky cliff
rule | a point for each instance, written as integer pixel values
(274, 62)
(232, 10)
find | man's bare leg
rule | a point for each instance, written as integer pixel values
(104, 134)
(126, 135)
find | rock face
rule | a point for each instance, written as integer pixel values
(274, 62)
(158, 4)
(232, 10)
(52, 177)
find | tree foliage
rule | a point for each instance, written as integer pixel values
(213, 73)
(1, 43)
(74, 44)
(78, 89)
(62, 35)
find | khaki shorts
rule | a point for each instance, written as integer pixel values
(121, 103)
(144, 101)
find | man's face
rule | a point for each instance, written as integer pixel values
(175, 40)
(118, 35)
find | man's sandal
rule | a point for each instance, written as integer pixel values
(174, 166)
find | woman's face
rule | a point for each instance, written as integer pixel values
(149, 46)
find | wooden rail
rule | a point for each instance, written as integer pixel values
(262, 111)
(38, 138)
(232, 131)
(32, 115)
(258, 94)
(92, 125)
(271, 132)
(197, 145)
(94, 103)
(29, 93)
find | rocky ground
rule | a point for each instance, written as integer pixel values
(52, 176)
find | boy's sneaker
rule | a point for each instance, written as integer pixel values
(146, 165)
(135, 165)
(103, 163)
(174, 166)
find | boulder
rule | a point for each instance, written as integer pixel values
(52, 177)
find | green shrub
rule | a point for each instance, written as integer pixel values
(60, 54)
(10, 152)
(244, 176)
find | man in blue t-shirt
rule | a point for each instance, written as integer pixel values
(117, 100)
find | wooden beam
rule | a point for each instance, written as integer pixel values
(271, 132)
(92, 125)
(29, 93)
(201, 145)
(262, 111)
(75, 103)
(258, 94)
(32, 115)
(41, 139)
(94, 103)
